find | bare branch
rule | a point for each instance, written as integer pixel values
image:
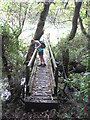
(22, 24)
(20, 15)
(24, 15)
(81, 24)
(82, 28)
(66, 4)
(55, 16)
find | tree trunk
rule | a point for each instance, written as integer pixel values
(5, 61)
(39, 31)
(83, 29)
(14, 85)
(21, 22)
(65, 57)
(75, 19)
(30, 52)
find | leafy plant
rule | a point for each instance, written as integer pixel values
(15, 50)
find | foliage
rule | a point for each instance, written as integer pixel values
(60, 47)
(80, 81)
(14, 49)
(34, 10)
(77, 52)
(57, 13)
(13, 12)
(77, 49)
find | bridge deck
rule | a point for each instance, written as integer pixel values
(41, 92)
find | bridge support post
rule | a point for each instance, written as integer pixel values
(56, 81)
(27, 79)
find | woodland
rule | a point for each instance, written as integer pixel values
(71, 50)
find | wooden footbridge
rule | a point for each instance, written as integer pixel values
(40, 89)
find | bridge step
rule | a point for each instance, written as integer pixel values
(41, 106)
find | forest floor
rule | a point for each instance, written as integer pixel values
(16, 111)
(68, 109)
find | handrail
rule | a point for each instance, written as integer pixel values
(32, 58)
(55, 68)
(29, 68)
(53, 59)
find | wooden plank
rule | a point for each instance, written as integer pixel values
(53, 85)
(52, 81)
(54, 69)
(32, 58)
(41, 106)
(29, 68)
(52, 57)
(31, 79)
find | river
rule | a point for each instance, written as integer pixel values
(55, 32)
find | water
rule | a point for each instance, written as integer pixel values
(5, 94)
(3, 90)
(23, 81)
(56, 32)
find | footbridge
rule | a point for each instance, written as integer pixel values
(39, 92)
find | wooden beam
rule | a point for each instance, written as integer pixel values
(29, 69)
(52, 57)
(54, 70)
(32, 58)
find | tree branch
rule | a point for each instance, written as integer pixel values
(22, 24)
(75, 19)
(81, 25)
(5, 61)
(20, 14)
(39, 31)
(66, 4)
(82, 28)
(24, 15)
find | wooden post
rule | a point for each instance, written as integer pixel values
(23, 91)
(27, 79)
(56, 80)
(65, 57)
(29, 66)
